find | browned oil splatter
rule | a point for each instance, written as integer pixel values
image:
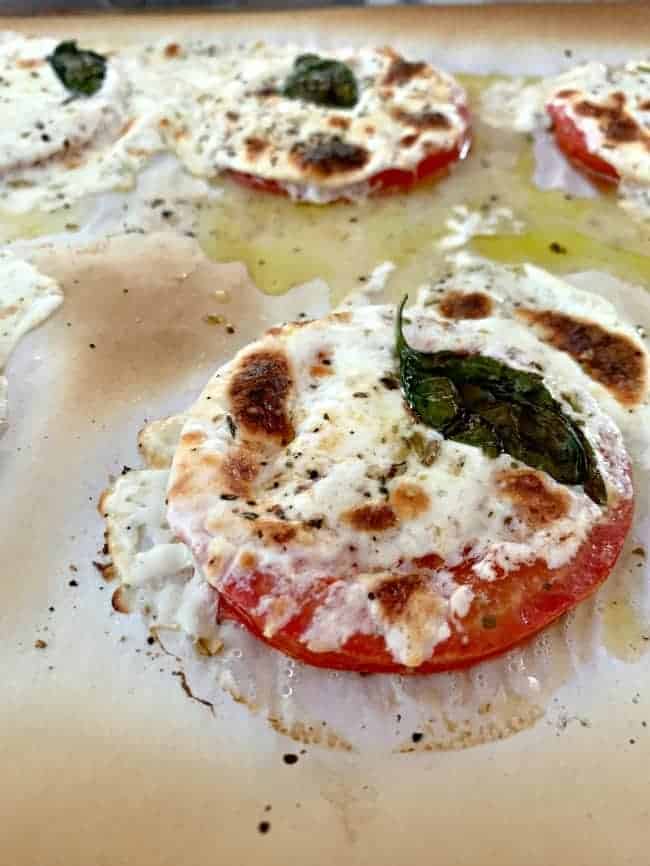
(512, 719)
(125, 333)
(308, 734)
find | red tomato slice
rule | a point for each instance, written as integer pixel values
(390, 180)
(571, 140)
(504, 612)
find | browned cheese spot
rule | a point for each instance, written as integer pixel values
(536, 503)
(402, 71)
(325, 155)
(465, 305)
(340, 316)
(371, 517)
(118, 600)
(276, 531)
(173, 50)
(566, 94)
(259, 395)
(409, 140)
(189, 481)
(29, 63)
(322, 366)
(395, 594)
(276, 330)
(193, 438)
(247, 560)
(645, 105)
(232, 115)
(612, 359)
(409, 500)
(338, 122)
(9, 311)
(318, 371)
(238, 470)
(425, 120)
(255, 147)
(614, 122)
(267, 91)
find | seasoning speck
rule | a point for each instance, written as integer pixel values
(416, 736)
(40, 644)
(290, 758)
(264, 827)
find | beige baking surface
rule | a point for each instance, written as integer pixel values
(105, 760)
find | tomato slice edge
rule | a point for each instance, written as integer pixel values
(435, 163)
(556, 592)
(573, 143)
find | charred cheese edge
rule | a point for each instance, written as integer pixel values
(300, 460)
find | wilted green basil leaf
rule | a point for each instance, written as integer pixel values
(482, 402)
(322, 81)
(436, 398)
(81, 72)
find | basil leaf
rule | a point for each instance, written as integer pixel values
(81, 72)
(476, 431)
(322, 81)
(483, 402)
(436, 398)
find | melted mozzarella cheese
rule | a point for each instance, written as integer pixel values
(63, 149)
(597, 83)
(39, 120)
(27, 298)
(201, 102)
(352, 447)
(521, 106)
(231, 113)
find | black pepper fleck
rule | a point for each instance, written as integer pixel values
(264, 827)
(290, 758)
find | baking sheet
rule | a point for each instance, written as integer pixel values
(105, 758)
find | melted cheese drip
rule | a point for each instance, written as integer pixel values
(349, 455)
(27, 298)
(156, 570)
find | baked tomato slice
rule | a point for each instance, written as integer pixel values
(503, 612)
(435, 163)
(573, 143)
